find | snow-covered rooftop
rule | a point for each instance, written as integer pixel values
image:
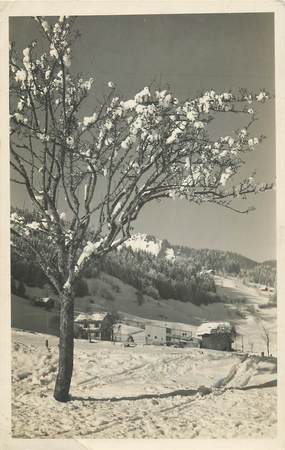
(214, 328)
(45, 299)
(98, 317)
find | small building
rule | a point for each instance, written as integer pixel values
(169, 333)
(155, 334)
(127, 333)
(216, 335)
(97, 326)
(46, 302)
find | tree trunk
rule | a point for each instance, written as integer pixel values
(66, 344)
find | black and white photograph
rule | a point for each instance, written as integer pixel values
(143, 243)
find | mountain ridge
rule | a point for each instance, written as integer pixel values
(158, 247)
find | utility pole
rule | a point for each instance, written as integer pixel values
(47, 322)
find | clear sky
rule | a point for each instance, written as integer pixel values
(190, 53)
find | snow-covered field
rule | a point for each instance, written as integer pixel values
(141, 392)
(146, 391)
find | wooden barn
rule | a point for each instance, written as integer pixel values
(216, 335)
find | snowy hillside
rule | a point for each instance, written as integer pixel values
(221, 261)
(144, 243)
(150, 244)
(108, 293)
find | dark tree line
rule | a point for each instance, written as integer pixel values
(157, 277)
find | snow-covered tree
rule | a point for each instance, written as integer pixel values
(89, 176)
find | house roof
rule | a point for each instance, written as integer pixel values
(45, 299)
(214, 328)
(95, 317)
